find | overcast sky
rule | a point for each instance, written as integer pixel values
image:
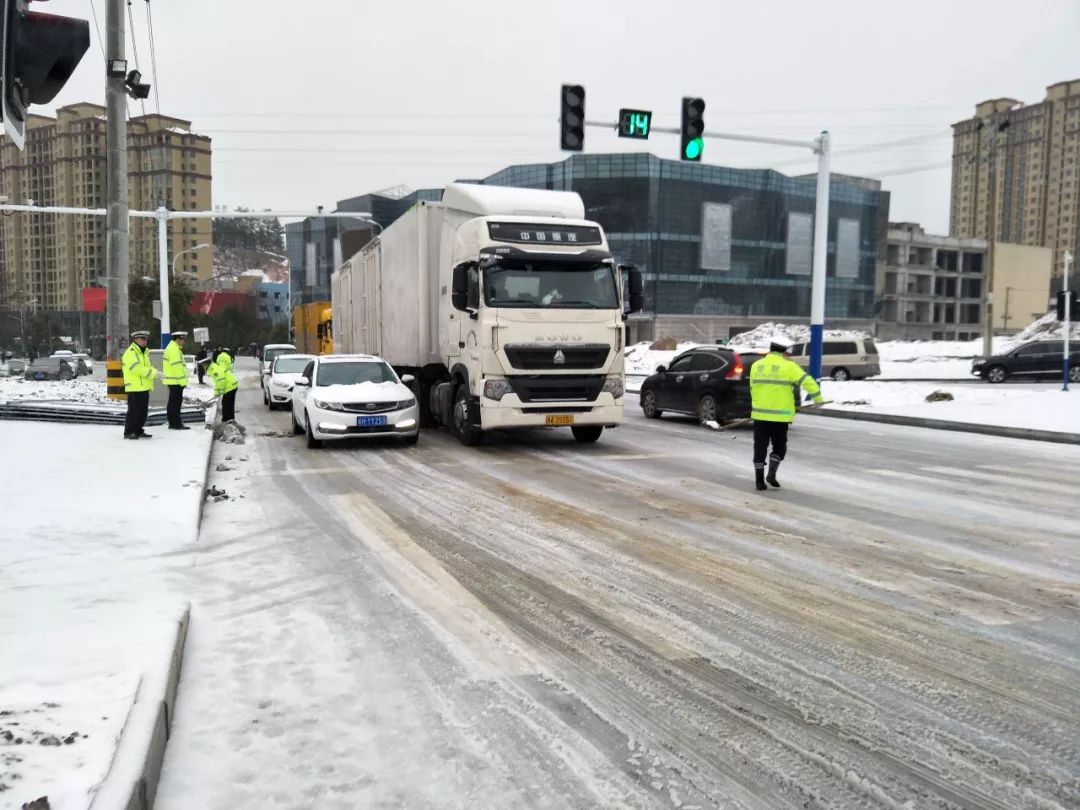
(311, 102)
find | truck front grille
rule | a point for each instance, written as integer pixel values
(558, 388)
(534, 356)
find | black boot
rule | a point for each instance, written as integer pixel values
(759, 478)
(774, 464)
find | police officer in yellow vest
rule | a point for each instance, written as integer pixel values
(139, 378)
(774, 391)
(174, 373)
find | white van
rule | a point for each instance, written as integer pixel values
(272, 350)
(842, 358)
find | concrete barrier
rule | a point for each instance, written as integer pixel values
(946, 424)
(114, 380)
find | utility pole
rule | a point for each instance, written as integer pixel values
(116, 244)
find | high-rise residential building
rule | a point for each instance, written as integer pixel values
(50, 258)
(1021, 161)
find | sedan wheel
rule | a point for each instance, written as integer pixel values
(648, 405)
(312, 442)
(706, 409)
(296, 429)
(1074, 374)
(997, 374)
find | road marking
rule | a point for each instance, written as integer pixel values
(477, 637)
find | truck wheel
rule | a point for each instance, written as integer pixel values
(587, 434)
(296, 429)
(469, 434)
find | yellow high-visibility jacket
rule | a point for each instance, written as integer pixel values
(774, 388)
(139, 375)
(174, 371)
(221, 373)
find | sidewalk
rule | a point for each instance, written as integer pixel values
(96, 530)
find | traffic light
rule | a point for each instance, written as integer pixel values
(1074, 305)
(572, 119)
(38, 54)
(692, 129)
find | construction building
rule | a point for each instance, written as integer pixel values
(934, 287)
(1016, 173)
(50, 258)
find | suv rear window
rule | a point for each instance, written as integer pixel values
(868, 346)
(708, 361)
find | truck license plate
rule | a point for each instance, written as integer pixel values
(560, 420)
(370, 421)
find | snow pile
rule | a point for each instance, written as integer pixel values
(1048, 327)
(759, 336)
(642, 360)
(90, 598)
(1035, 408)
(89, 388)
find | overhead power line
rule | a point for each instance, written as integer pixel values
(153, 57)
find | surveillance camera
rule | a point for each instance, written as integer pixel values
(3, 199)
(319, 208)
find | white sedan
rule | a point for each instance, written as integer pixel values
(342, 396)
(278, 384)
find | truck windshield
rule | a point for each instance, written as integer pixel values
(558, 285)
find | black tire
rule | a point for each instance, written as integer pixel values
(409, 441)
(296, 429)
(266, 400)
(587, 434)
(841, 374)
(312, 442)
(1074, 374)
(997, 374)
(467, 432)
(648, 405)
(707, 409)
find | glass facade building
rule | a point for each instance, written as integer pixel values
(717, 241)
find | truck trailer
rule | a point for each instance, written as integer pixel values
(504, 304)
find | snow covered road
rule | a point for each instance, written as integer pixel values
(535, 623)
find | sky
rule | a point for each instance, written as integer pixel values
(311, 103)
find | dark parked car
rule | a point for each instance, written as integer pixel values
(49, 368)
(709, 382)
(1041, 358)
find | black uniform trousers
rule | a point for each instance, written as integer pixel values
(176, 402)
(766, 433)
(228, 406)
(138, 404)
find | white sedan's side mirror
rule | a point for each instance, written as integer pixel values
(303, 382)
(408, 379)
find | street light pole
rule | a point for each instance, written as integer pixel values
(116, 189)
(163, 276)
(821, 235)
(1067, 326)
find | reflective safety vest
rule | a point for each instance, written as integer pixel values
(774, 388)
(221, 373)
(139, 375)
(174, 372)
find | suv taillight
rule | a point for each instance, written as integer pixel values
(737, 368)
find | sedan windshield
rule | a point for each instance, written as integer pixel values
(560, 285)
(291, 365)
(361, 371)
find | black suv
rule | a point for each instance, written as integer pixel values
(1042, 358)
(709, 382)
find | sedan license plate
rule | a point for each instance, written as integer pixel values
(559, 420)
(39, 376)
(370, 421)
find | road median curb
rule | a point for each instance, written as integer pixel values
(132, 780)
(946, 424)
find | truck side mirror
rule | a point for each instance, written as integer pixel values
(459, 292)
(319, 331)
(636, 289)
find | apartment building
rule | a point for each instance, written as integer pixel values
(50, 258)
(933, 287)
(1016, 172)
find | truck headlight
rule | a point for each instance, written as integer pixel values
(328, 406)
(497, 389)
(613, 385)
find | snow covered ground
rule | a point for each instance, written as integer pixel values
(92, 527)
(1034, 407)
(89, 388)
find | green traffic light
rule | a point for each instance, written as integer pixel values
(694, 148)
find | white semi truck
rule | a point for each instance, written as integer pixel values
(504, 303)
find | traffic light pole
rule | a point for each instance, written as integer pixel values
(116, 241)
(821, 146)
